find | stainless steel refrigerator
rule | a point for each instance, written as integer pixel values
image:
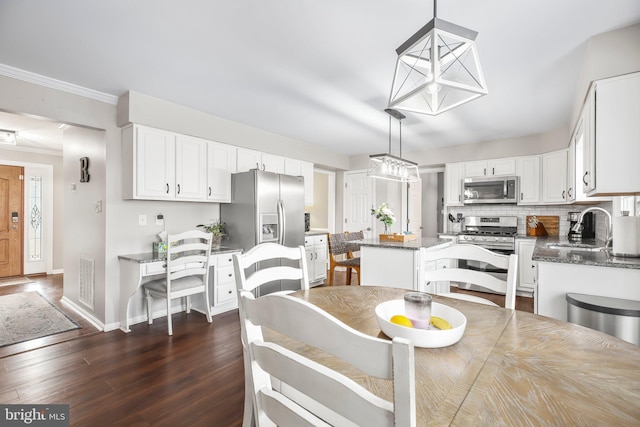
(265, 207)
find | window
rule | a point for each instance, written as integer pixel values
(34, 234)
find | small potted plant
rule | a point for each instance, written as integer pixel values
(217, 229)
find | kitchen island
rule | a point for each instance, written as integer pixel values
(396, 264)
(576, 270)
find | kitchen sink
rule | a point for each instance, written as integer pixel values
(578, 247)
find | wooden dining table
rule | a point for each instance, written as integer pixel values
(510, 368)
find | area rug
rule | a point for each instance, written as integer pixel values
(27, 315)
(20, 280)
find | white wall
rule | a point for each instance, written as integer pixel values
(519, 146)
(84, 228)
(320, 209)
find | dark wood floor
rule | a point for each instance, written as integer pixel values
(144, 378)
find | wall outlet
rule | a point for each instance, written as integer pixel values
(98, 206)
(159, 219)
(142, 220)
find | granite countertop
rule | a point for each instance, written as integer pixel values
(315, 233)
(542, 253)
(153, 257)
(413, 245)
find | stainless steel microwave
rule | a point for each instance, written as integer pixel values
(494, 189)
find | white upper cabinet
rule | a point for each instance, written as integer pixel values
(494, 167)
(612, 149)
(554, 176)
(304, 169)
(453, 184)
(191, 168)
(148, 163)
(163, 165)
(252, 159)
(528, 169)
(221, 161)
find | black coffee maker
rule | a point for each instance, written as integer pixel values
(588, 229)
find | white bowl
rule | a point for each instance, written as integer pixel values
(428, 338)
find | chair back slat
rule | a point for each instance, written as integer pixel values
(338, 244)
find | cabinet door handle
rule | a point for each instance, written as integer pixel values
(563, 194)
(167, 188)
(209, 191)
(178, 188)
(570, 192)
(229, 292)
(257, 165)
(493, 171)
(230, 274)
(264, 167)
(484, 172)
(521, 196)
(584, 178)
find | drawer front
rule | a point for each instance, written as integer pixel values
(155, 268)
(320, 239)
(226, 275)
(225, 293)
(225, 260)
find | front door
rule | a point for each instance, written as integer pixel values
(11, 192)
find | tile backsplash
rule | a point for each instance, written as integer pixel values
(522, 211)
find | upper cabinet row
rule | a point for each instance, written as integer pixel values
(162, 165)
(602, 159)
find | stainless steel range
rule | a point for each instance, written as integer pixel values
(496, 233)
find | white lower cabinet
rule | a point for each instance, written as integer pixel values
(527, 268)
(224, 290)
(316, 251)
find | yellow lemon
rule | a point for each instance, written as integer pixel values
(401, 320)
(440, 323)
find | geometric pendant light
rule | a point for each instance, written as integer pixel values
(389, 167)
(437, 69)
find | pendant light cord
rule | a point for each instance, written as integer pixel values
(435, 8)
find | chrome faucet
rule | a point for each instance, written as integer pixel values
(576, 228)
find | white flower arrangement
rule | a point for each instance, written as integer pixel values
(384, 214)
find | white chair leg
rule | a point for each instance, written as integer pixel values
(207, 306)
(169, 325)
(149, 305)
(188, 304)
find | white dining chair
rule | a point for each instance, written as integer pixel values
(272, 254)
(187, 274)
(322, 396)
(478, 278)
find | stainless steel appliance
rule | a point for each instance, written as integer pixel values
(490, 190)
(496, 233)
(265, 207)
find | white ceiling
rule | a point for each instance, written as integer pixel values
(316, 71)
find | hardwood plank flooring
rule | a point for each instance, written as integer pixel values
(144, 378)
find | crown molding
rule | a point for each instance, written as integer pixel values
(49, 82)
(32, 150)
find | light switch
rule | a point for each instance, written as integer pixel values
(142, 220)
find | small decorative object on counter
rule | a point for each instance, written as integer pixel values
(217, 229)
(535, 227)
(417, 307)
(384, 214)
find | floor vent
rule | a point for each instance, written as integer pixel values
(86, 282)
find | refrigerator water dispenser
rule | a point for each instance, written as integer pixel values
(268, 227)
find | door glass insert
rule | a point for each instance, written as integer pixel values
(34, 234)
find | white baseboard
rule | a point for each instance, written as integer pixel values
(58, 271)
(83, 313)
